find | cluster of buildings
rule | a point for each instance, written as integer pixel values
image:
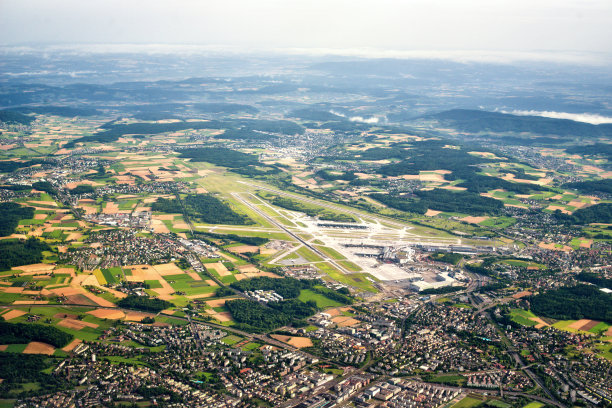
(509, 379)
(398, 393)
(118, 247)
(264, 296)
(139, 220)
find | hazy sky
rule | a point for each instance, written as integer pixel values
(446, 25)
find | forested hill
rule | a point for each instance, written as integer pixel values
(12, 117)
(234, 129)
(474, 121)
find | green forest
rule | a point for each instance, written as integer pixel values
(464, 202)
(591, 186)
(10, 116)
(572, 303)
(17, 369)
(287, 287)
(595, 279)
(8, 166)
(12, 213)
(255, 316)
(601, 213)
(220, 156)
(204, 208)
(14, 252)
(144, 303)
(20, 333)
(475, 121)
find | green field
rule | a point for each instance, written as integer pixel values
(468, 402)
(186, 284)
(350, 266)
(308, 255)
(522, 317)
(49, 313)
(564, 325)
(534, 404)
(322, 301)
(498, 404)
(605, 350)
(521, 264)
(450, 379)
(251, 346)
(153, 284)
(113, 275)
(231, 340)
(332, 253)
(357, 280)
(498, 222)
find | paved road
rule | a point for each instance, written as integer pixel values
(252, 336)
(492, 391)
(327, 386)
(277, 224)
(347, 210)
(519, 361)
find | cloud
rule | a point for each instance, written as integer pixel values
(461, 56)
(361, 119)
(591, 118)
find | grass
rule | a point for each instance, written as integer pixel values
(350, 266)
(522, 317)
(87, 333)
(599, 328)
(321, 301)
(251, 346)
(498, 404)
(564, 325)
(468, 402)
(498, 222)
(308, 255)
(106, 296)
(58, 235)
(605, 350)
(357, 280)
(153, 284)
(113, 275)
(100, 277)
(450, 379)
(522, 264)
(185, 283)
(231, 340)
(462, 305)
(123, 360)
(15, 348)
(534, 404)
(7, 298)
(332, 253)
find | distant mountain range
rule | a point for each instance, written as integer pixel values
(474, 121)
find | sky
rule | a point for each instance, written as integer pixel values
(525, 27)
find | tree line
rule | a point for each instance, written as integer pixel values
(144, 303)
(12, 213)
(202, 207)
(442, 200)
(19, 333)
(15, 252)
(573, 303)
